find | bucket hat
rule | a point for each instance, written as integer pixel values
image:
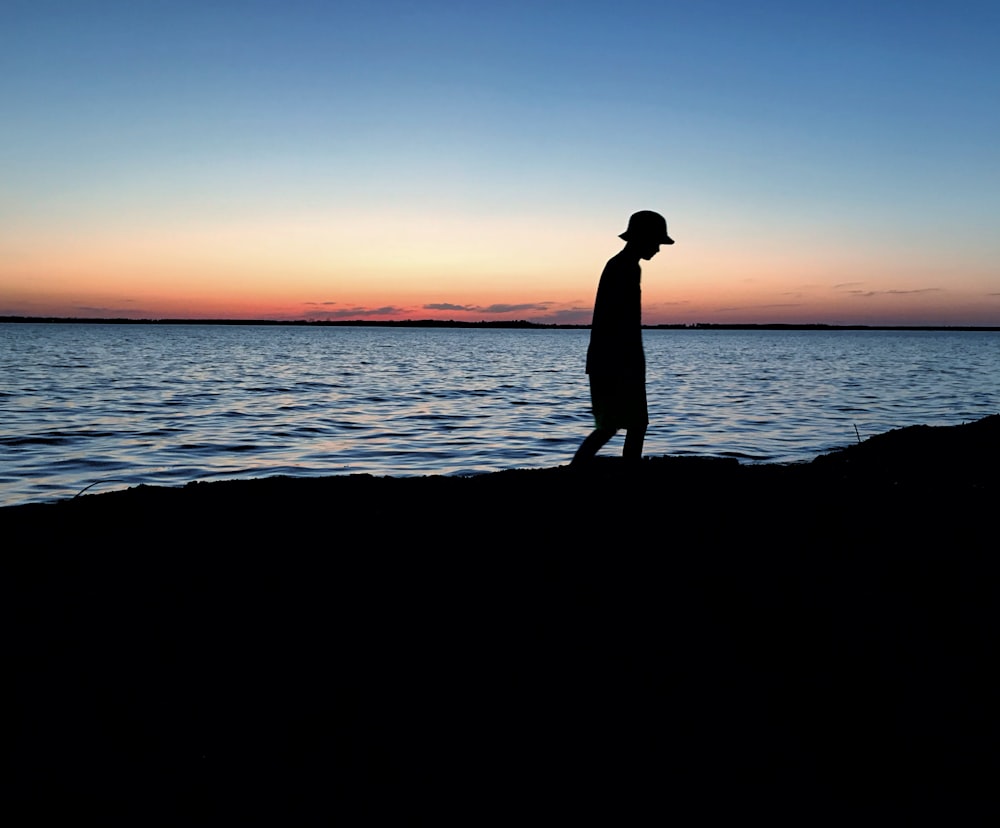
(647, 225)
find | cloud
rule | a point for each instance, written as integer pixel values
(356, 312)
(549, 313)
(537, 306)
(449, 307)
(497, 308)
(732, 308)
(868, 293)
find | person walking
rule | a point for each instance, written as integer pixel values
(616, 363)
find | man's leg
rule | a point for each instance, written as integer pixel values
(593, 444)
(634, 438)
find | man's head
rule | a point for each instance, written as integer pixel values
(647, 226)
(646, 232)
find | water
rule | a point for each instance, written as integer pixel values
(114, 406)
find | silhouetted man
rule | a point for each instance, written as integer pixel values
(616, 363)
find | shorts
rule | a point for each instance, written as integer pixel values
(618, 403)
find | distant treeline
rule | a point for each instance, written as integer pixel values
(518, 323)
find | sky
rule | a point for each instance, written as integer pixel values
(817, 162)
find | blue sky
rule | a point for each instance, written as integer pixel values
(816, 161)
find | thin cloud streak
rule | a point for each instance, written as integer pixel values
(492, 309)
(356, 312)
(866, 293)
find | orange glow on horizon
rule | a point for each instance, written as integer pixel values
(439, 267)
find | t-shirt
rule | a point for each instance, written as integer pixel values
(616, 331)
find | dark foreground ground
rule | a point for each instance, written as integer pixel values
(688, 640)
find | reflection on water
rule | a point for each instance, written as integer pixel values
(121, 405)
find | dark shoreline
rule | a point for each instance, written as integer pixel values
(511, 324)
(805, 642)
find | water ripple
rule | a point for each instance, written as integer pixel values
(170, 404)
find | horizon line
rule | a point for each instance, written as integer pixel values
(453, 323)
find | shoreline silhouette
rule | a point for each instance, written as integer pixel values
(452, 323)
(805, 639)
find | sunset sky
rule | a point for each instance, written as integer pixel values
(832, 162)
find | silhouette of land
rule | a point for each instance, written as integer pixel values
(806, 642)
(508, 323)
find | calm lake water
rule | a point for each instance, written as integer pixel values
(114, 406)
